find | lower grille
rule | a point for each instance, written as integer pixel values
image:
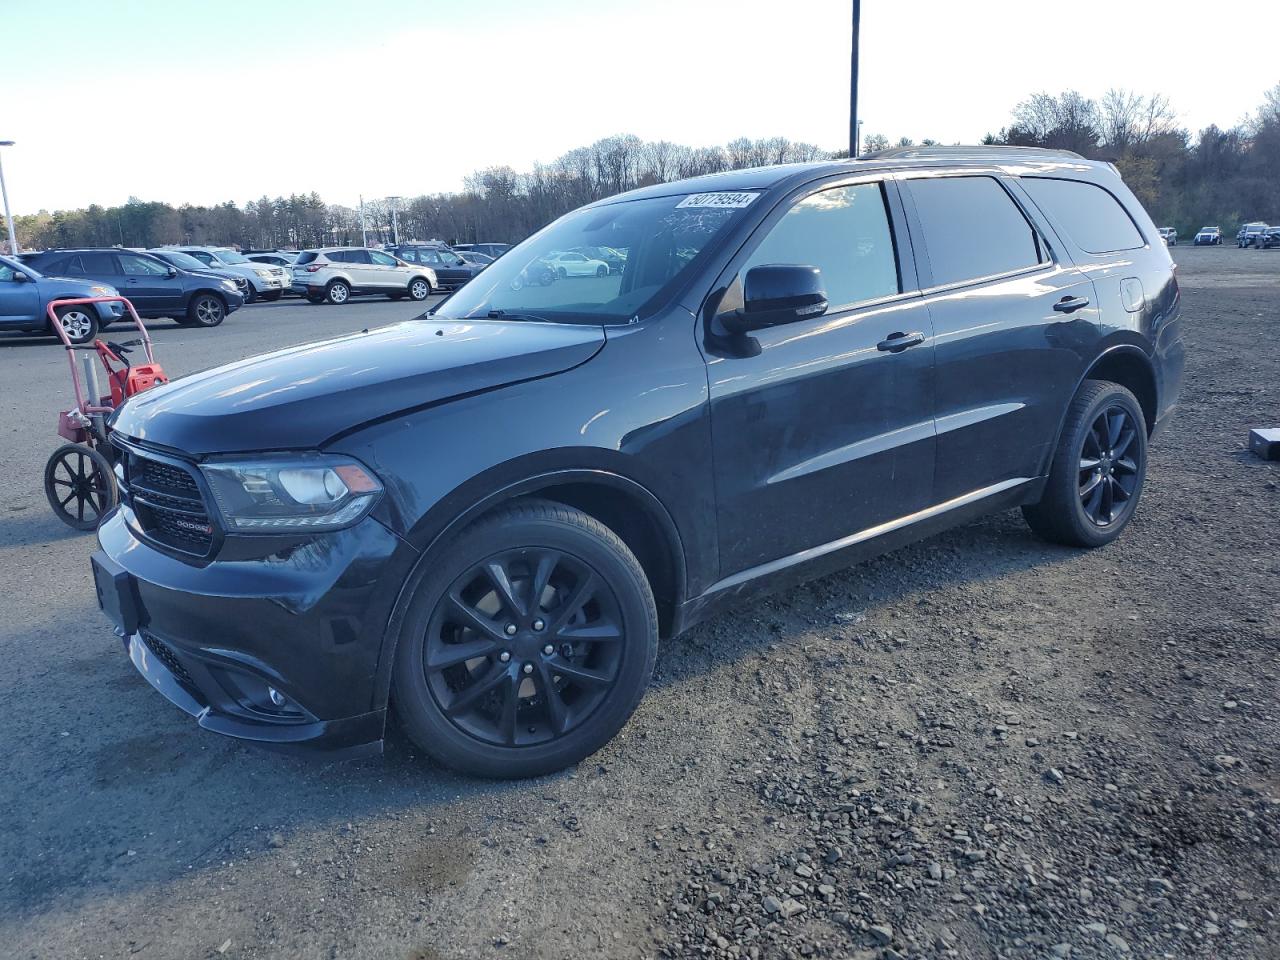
(168, 503)
(165, 655)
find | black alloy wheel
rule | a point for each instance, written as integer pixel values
(528, 645)
(206, 310)
(1098, 469)
(1109, 475)
(79, 485)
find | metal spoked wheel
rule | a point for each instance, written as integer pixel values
(207, 311)
(79, 485)
(419, 290)
(1110, 466)
(523, 647)
(79, 323)
(338, 292)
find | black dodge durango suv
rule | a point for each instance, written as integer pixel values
(489, 515)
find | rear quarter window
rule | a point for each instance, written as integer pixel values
(1090, 215)
(973, 229)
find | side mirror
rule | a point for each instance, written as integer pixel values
(20, 277)
(172, 272)
(778, 293)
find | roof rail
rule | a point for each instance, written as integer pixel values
(982, 150)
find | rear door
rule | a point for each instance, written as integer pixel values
(360, 268)
(826, 430)
(147, 283)
(1014, 325)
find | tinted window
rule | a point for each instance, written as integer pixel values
(358, 256)
(339, 256)
(133, 265)
(972, 228)
(88, 265)
(844, 232)
(1089, 215)
(306, 257)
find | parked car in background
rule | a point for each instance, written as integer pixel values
(25, 295)
(538, 272)
(1208, 237)
(1269, 239)
(494, 250)
(1169, 235)
(568, 263)
(451, 270)
(266, 282)
(154, 287)
(470, 256)
(491, 514)
(1250, 233)
(184, 261)
(615, 259)
(277, 258)
(336, 274)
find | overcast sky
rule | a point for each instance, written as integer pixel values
(221, 100)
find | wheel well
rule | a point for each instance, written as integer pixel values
(631, 519)
(209, 293)
(1133, 372)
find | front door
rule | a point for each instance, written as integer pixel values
(19, 299)
(148, 284)
(386, 272)
(828, 430)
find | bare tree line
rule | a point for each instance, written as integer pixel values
(1216, 176)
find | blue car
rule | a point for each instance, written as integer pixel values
(25, 294)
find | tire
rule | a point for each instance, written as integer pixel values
(337, 292)
(79, 322)
(314, 300)
(1096, 478)
(602, 271)
(206, 310)
(562, 273)
(419, 289)
(79, 485)
(489, 716)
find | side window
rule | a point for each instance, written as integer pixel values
(844, 232)
(202, 256)
(132, 265)
(408, 255)
(338, 256)
(6, 273)
(1089, 214)
(98, 265)
(64, 267)
(430, 256)
(382, 259)
(973, 229)
(358, 256)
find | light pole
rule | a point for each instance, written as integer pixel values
(395, 220)
(853, 81)
(8, 217)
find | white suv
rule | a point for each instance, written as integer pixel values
(336, 274)
(266, 282)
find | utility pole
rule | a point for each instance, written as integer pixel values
(853, 82)
(8, 217)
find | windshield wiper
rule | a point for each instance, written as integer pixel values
(503, 315)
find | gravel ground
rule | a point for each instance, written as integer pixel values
(979, 746)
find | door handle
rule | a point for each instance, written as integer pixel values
(1071, 304)
(897, 342)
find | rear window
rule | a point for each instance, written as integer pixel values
(973, 229)
(306, 257)
(1088, 213)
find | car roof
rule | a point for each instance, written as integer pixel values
(786, 175)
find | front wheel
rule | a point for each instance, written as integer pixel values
(78, 322)
(1098, 470)
(528, 645)
(602, 271)
(419, 289)
(79, 485)
(206, 310)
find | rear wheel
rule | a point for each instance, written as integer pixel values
(79, 485)
(419, 289)
(206, 310)
(562, 273)
(602, 271)
(337, 292)
(1098, 470)
(79, 322)
(528, 645)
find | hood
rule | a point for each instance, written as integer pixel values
(301, 397)
(216, 272)
(72, 287)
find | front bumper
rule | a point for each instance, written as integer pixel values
(109, 312)
(270, 284)
(308, 622)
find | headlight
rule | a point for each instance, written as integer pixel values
(262, 273)
(231, 285)
(104, 291)
(286, 494)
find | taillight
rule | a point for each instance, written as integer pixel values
(313, 268)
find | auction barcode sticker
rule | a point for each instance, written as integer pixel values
(726, 200)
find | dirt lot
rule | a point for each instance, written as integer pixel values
(979, 746)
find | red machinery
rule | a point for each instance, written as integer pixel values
(79, 478)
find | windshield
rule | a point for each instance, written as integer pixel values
(653, 242)
(183, 260)
(230, 256)
(9, 267)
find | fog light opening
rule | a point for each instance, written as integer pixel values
(277, 698)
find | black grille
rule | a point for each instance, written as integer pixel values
(168, 503)
(165, 655)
